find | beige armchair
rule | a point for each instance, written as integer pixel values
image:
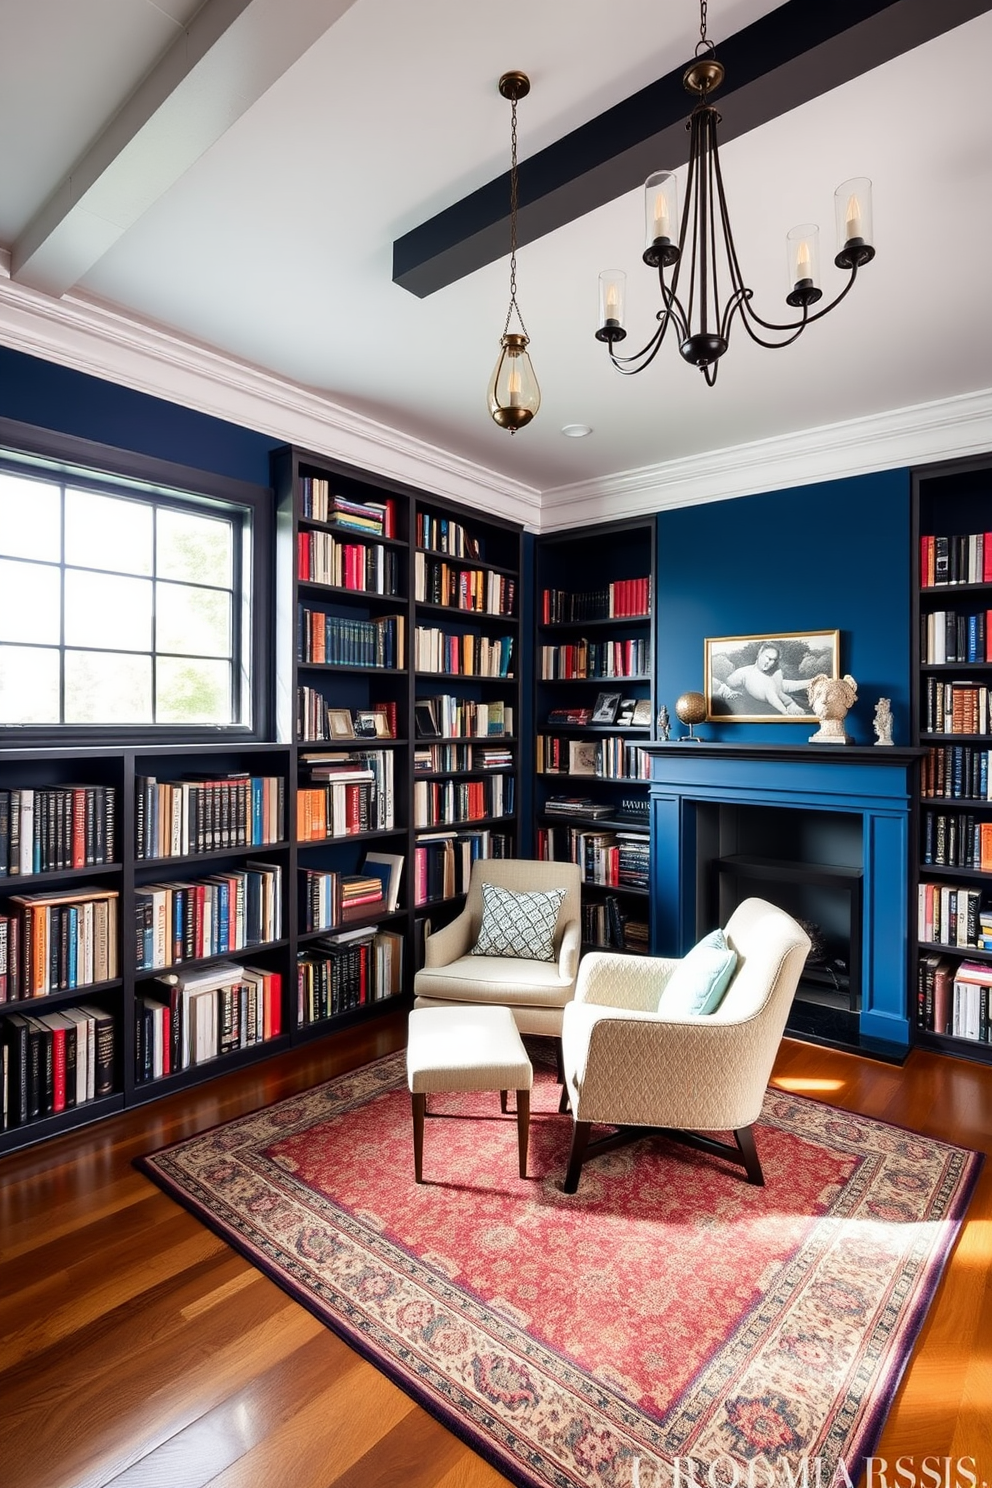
(628, 1066)
(536, 992)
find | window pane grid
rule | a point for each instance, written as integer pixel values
(191, 675)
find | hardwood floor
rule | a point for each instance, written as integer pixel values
(137, 1350)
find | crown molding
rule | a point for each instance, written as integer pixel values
(93, 338)
(89, 336)
(919, 435)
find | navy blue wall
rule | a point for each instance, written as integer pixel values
(834, 556)
(38, 392)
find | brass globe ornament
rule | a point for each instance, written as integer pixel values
(690, 709)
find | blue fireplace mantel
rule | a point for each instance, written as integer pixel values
(873, 783)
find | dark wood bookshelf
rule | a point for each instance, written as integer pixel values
(949, 501)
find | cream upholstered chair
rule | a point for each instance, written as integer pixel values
(627, 1065)
(535, 991)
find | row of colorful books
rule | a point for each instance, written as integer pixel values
(330, 898)
(952, 916)
(46, 829)
(448, 717)
(340, 641)
(319, 504)
(627, 658)
(347, 971)
(626, 598)
(189, 1018)
(445, 535)
(461, 758)
(462, 655)
(180, 818)
(367, 568)
(482, 591)
(953, 998)
(957, 840)
(446, 802)
(215, 916)
(957, 770)
(442, 861)
(57, 941)
(947, 636)
(960, 707)
(959, 558)
(54, 1061)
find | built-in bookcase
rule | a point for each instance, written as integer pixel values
(192, 909)
(594, 703)
(953, 671)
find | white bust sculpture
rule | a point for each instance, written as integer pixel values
(830, 698)
(883, 721)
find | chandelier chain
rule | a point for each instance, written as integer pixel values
(703, 44)
(513, 222)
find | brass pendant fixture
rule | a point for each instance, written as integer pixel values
(514, 396)
(705, 248)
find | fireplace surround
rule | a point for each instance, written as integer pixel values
(843, 814)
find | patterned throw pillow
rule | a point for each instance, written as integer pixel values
(521, 925)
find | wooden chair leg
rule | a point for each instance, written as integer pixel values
(744, 1138)
(523, 1128)
(580, 1137)
(419, 1112)
(502, 1101)
(559, 1061)
(563, 1101)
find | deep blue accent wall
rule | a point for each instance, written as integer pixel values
(832, 556)
(38, 392)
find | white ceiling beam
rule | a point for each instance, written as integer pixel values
(230, 54)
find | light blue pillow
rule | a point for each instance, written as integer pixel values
(700, 979)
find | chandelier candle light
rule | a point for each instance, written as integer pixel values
(702, 325)
(514, 396)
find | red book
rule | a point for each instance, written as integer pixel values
(58, 1068)
(303, 555)
(79, 828)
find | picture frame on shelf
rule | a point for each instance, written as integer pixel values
(642, 713)
(370, 725)
(425, 720)
(625, 712)
(339, 723)
(606, 706)
(583, 757)
(763, 678)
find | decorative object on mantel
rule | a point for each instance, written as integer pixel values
(883, 721)
(831, 698)
(691, 709)
(664, 724)
(514, 396)
(758, 678)
(702, 325)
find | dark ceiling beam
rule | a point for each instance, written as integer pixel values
(793, 54)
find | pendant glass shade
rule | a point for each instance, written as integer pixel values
(661, 218)
(514, 396)
(803, 269)
(852, 215)
(612, 293)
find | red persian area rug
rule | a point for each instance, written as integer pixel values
(667, 1311)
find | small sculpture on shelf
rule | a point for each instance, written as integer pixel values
(830, 698)
(664, 724)
(691, 709)
(883, 721)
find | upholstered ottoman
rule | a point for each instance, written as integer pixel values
(466, 1048)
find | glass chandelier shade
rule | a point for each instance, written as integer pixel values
(514, 395)
(705, 290)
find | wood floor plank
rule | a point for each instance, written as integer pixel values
(134, 1345)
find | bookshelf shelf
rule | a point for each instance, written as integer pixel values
(952, 517)
(594, 635)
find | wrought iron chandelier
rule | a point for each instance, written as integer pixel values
(701, 323)
(514, 396)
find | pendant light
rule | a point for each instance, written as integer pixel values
(514, 396)
(704, 249)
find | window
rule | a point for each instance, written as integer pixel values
(122, 605)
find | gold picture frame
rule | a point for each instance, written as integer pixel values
(763, 678)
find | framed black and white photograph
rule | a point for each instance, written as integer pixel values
(339, 724)
(764, 678)
(606, 706)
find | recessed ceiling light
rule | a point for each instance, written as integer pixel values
(576, 431)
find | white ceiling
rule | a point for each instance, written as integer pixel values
(257, 216)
